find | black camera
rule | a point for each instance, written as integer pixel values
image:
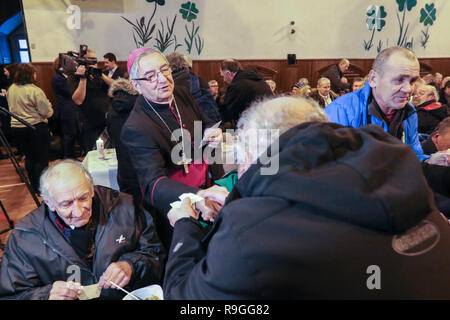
(70, 61)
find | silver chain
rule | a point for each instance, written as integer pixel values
(167, 126)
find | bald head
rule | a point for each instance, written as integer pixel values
(383, 58)
(344, 64)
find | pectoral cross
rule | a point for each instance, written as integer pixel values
(185, 163)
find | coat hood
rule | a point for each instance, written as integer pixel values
(361, 176)
(123, 95)
(121, 84)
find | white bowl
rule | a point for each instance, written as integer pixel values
(146, 293)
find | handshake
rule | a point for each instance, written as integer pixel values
(207, 202)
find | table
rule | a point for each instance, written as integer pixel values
(103, 171)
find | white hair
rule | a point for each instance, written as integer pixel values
(322, 80)
(59, 171)
(280, 114)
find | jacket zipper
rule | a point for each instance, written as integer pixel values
(57, 252)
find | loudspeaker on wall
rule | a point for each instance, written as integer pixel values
(291, 58)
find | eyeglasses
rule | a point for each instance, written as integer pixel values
(153, 75)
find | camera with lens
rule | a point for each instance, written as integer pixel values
(71, 60)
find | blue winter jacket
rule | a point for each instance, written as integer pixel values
(351, 110)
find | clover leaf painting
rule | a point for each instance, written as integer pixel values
(376, 19)
(160, 2)
(144, 29)
(427, 17)
(189, 11)
(428, 14)
(409, 4)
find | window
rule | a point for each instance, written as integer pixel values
(23, 51)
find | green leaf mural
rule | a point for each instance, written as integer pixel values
(189, 11)
(144, 30)
(376, 19)
(427, 17)
(409, 4)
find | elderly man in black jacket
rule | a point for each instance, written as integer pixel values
(336, 222)
(81, 235)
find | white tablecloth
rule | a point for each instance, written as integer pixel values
(103, 171)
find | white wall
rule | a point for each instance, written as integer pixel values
(243, 29)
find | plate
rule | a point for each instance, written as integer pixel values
(146, 293)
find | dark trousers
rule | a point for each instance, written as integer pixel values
(90, 136)
(35, 145)
(70, 134)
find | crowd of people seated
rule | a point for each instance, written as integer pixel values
(345, 174)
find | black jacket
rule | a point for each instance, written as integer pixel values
(66, 108)
(334, 74)
(343, 202)
(246, 87)
(118, 73)
(430, 114)
(37, 253)
(124, 97)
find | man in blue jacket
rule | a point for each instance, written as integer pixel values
(384, 99)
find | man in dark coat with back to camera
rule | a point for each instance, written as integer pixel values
(81, 235)
(336, 221)
(244, 87)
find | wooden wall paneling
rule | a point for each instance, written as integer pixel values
(285, 77)
(45, 72)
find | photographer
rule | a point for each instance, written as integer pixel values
(89, 92)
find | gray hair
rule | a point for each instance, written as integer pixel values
(177, 61)
(433, 89)
(57, 171)
(303, 82)
(321, 80)
(134, 70)
(280, 113)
